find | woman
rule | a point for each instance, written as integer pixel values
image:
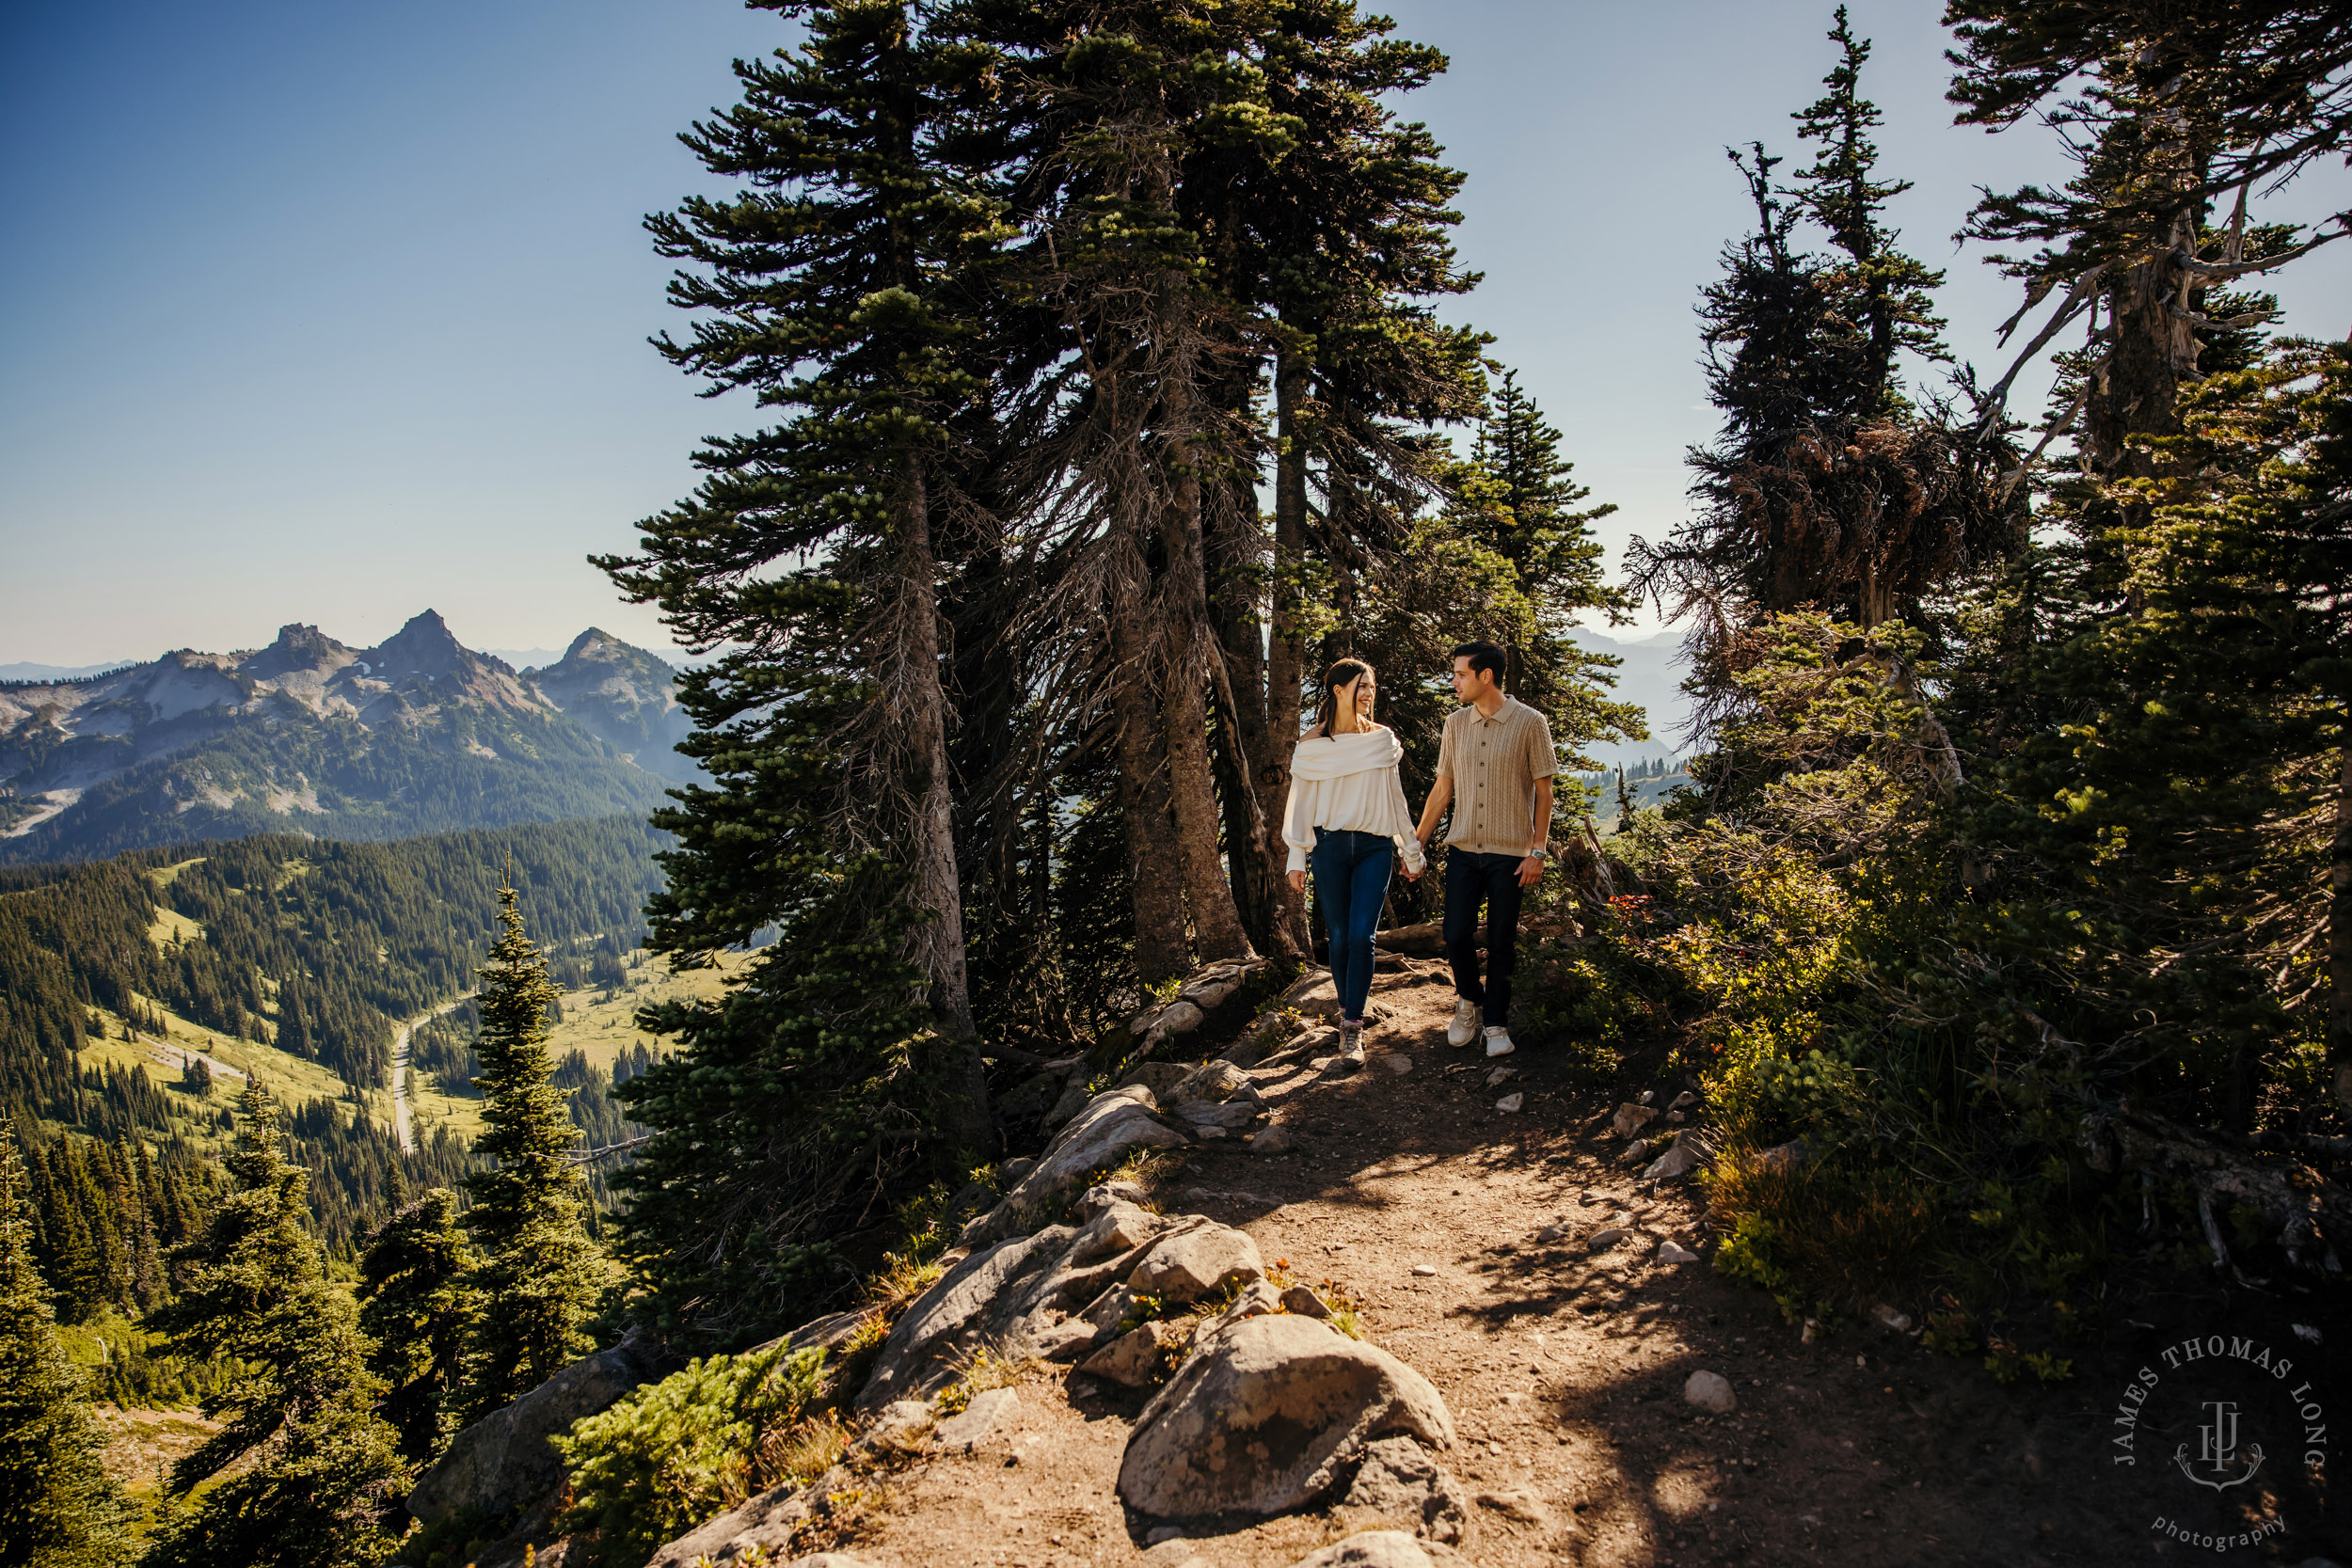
(1347, 816)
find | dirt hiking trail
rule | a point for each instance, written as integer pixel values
(1413, 1196)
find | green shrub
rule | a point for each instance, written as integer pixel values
(672, 1454)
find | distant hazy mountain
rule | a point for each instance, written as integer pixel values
(623, 696)
(1651, 676)
(309, 736)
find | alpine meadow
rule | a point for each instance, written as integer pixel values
(1153, 978)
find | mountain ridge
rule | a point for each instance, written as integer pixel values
(308, 734)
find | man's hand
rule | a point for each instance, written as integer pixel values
(1413, 876)
(1298, 881)
(1530, 869)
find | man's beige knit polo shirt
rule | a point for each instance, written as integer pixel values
(1494, 764)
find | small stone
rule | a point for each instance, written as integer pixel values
(1510, 1103)
(1398, 1063)
(1063, 1341)
(1645, 1096)
(1680, 1159)
(1277, 1140)
(1683, 1101)
(1423, 1270)
(1501, 1075)
(1672, 1252)
(1812, 1327)
(1304, 1302)
(1711, 1392)
(1892, 1320)
(1517, 1503)
(979, 1419)
(1677, 1117)
(1631, 1120)
(1604, 1239)
(1163, 1532)
(1634, 1152)
(1788, 1156)
(1211, 1131)
(1132, 1359)
(1555, 1233)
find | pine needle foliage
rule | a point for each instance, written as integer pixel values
(416, 1298)
(57, 1507)
(539, 1272)
(306, 1476)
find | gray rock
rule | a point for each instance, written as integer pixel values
(1215, 1082)
(1178, 1018)
(761, 1526)
(1683, 1101)
(1204, 1114)
(1788, 1156)
(910, 1360)
(1635, 1152)
(1132, 1359)
(1382, 1549)
(503, 1464)
(1277, 1140)
(1207, 996)
(1313, 994)
(1196, 1263)
(979, 1421)
(1500, 1076)
(1264, 1414)
(1400, 1484)
(1672, 1252)
(1104, 1193)
(1645, 1096)
(1711, 1392)
(1101, 1134)
(1063, 1341)
(900, 1421)
(1161, 1078)
(1891, 1319)
(1210, 1133)
(1397, 1062)
(1118, 1226)
(1631, 1120)
(1605, 1238)
(1680, 1160)
(1304, 1302)
(1510, 1103)
(1255, 1300)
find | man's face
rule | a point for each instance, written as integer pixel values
(1469, 683)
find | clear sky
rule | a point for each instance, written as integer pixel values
(331, 313)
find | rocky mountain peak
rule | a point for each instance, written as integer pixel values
(426, 646)
(296, 647)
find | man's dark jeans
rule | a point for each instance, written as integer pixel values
(1494, 882)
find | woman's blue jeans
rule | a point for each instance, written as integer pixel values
(1352, 880)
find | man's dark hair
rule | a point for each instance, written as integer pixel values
(1483, 655)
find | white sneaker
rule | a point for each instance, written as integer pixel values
(1499, 1040)
(1465, 1022)
(1352, 1044)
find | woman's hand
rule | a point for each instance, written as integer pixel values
(1298, 881)
(1414, 875)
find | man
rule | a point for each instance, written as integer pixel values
(1497, 759)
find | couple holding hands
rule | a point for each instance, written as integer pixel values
(1347, 818)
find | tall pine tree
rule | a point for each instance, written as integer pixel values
(304, 1475)
(539, 1273)
(57, 1507)
(417, 1299)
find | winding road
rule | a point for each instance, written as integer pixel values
(400, 1074)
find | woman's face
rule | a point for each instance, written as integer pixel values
(1361, 692)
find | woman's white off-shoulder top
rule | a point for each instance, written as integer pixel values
(1348, 782)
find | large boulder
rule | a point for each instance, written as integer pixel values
(503, 1464)
(1110, 1126)
(1196, 1263)
(1266, 1413)
(944, 1316)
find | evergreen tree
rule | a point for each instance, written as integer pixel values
(416, 1301)
(57, 1507)
(539, 1273)
(305, 1475)
(842, 287)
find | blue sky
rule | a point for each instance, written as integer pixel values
(333, 312)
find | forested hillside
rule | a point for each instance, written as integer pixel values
(312, 946)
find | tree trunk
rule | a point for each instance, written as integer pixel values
(911, 670)
(1161, 951)
(1217, 927)
(2340, 943)
(1286, 649)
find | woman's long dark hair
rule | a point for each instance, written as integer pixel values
(1344, 673)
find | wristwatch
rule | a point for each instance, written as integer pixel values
(1538, 853)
